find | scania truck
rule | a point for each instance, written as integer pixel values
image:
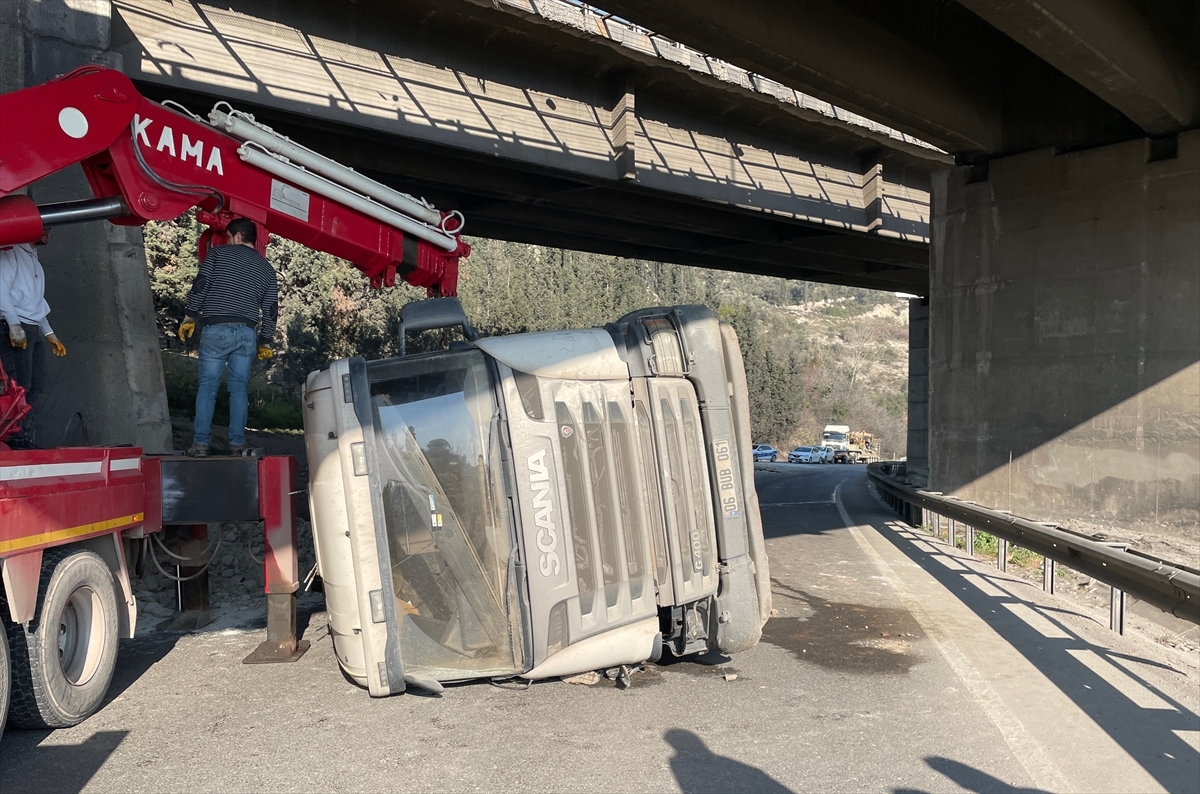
(539, 504)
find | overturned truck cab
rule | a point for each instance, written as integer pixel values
(539, 504)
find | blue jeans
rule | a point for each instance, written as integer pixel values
(237, 346)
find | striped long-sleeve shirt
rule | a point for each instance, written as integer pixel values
(236, 284)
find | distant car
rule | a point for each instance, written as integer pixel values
(765, 452)
(806, 455)
(828, 455)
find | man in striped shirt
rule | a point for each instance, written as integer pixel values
(235, 299)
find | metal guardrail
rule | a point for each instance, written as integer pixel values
(1170, 586)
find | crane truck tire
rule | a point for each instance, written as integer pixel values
(5, 676)
(62, 662)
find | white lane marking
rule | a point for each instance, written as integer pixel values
(40, 470)
(1031, 755)
(125, 464)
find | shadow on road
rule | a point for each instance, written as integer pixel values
(699, 770)
(59, 768)
(970, 779)
(27, 766)
(1143, 720)
(136, 656)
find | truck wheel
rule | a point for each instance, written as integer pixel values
(63, 662)
(5, 676)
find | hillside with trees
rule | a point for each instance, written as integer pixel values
(814, 353)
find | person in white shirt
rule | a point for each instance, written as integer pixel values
(24, 330)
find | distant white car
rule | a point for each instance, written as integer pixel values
(827, 454)
(806, 455)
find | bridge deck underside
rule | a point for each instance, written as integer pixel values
(542, 136)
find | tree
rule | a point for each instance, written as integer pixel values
(797, 383)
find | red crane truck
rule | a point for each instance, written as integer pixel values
(68, 517)
(534, 505)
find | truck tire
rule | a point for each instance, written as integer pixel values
(5, 676)
(62, 663)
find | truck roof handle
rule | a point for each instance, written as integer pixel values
(431, 314)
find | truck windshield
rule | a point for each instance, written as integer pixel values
(833, 437)
(448, 541)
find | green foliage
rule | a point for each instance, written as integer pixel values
(987, 545)
(171, 257)
(329, 311)
(894, 402)
(772, 363)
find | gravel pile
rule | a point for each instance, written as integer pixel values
(235, 577)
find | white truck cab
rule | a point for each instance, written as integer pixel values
(539, 504)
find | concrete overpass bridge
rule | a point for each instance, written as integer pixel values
(1032, 168)
(1063, 368)
(551, 133)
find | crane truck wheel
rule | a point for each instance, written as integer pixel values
(63, 661)
(5, 676)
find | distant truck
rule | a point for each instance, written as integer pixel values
(850, 446)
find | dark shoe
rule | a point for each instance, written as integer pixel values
(237, 450)
(197, 451)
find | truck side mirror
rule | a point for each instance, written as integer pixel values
(432, 314)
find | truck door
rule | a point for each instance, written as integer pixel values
(431, 537)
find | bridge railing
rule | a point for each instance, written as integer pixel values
(1170, 586)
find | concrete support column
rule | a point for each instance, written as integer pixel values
(1065, 337)
(918, 390)
(111, 381)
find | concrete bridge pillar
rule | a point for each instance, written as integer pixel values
(96, 279)
(1064, 363)
(918, 389)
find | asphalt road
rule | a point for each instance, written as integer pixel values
(894, 664)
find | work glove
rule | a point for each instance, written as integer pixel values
(58, 348)
(265, 352)
(16, 336)
(186, 329)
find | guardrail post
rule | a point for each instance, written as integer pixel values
(1002, 554)
(1048, 575)
(970, 540)
(937, 525)
(952, 533)
(1116, 610)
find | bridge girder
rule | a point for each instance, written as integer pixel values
(543, 135)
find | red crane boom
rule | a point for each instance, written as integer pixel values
(146, 161)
